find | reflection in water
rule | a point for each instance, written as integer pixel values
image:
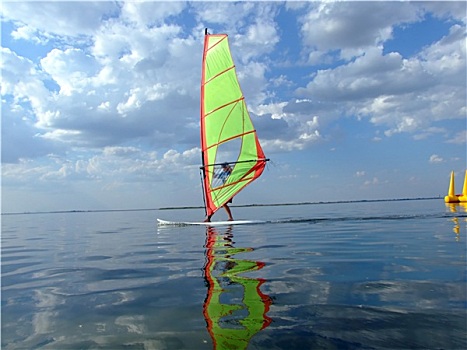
(235, 308)
(456, 208)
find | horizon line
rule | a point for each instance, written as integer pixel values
(236, 206)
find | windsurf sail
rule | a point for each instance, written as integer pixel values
(232, 156)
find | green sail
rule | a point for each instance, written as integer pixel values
(226, 127)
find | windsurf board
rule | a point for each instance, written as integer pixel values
(211, 223)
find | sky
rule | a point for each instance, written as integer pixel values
(350, 100)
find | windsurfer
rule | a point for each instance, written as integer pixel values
(223, 174)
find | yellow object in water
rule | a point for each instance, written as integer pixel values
(451, 197)
(463, 196)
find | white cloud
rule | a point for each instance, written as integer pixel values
(26, 33)
(118, 164)
(141, 69)
(23, 80)
(60, 135)
(97, 84)
(460, 138)
(72, 69)
(227, 13)
(404, 95)
(150, 13)
(70, 18)
(424, 134)
(372, 182)
(436, 159)
(112, 89)
(351, 27)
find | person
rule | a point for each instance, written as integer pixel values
(223, 176)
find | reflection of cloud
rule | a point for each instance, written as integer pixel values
(125, 297)
(133, 324)
(302, 279)
(43, 322)
(47, 297)
(422, 294)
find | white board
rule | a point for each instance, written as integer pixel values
(211, 223)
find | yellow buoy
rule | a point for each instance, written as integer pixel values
(451, 197)
(463, 196)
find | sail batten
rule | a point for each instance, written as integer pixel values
(227, 140)
(227, 104)
(227, 131)
(214, 77)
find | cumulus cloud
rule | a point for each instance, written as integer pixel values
(350, 27)
(131, 76)
(111, 90)
(71, 69)
(59, 18)
(120, 88)
(115, 164)
(404, 95)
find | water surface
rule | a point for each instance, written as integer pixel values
(375, 275)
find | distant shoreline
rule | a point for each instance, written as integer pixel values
(237, 206)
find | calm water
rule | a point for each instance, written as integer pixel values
(382, 275)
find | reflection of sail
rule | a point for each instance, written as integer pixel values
(235, 308)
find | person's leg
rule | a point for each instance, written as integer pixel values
(229, 213)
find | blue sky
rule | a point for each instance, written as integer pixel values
(351, 100)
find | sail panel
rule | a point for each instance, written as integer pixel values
(225, 121)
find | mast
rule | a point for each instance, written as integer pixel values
(203, 141)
